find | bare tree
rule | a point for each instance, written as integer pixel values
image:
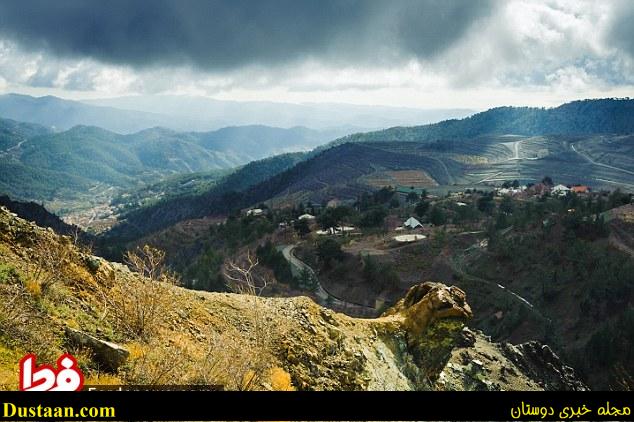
(147, 261)
(138, 304)
(241, 279)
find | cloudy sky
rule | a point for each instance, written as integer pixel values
(419, 53)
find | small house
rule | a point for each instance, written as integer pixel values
(412, 223)
(561, 190)
(580, 189)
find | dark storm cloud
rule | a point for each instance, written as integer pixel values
(233, 33)
(622, 33)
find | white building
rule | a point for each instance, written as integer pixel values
(560, 190)
(306, 217)
(412, 223)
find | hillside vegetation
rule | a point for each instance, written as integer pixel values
(38, 164)
(240, 341)
(233, 191)
(576, 143)
(587, 117)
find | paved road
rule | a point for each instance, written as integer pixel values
(297, 266)
(458, 267)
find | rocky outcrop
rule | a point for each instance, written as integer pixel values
(432, 316)
(539, 362)
(428, 302)
(476, 363)
(108, 355)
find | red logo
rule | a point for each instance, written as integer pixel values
(67, 376)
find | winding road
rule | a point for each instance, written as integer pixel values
(596, 163)
(457, 266)
(297, 266)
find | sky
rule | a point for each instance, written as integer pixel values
(415, 53)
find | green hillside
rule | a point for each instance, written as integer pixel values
(577, 143)
(41, 165)
(576, 118)
(13, 132)
(240, 188)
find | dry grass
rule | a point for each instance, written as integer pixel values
(249, 354)
(137, 304)
(46, 263)
(23, 325)
(231, 359)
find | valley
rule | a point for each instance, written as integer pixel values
(213, 196)
(525, 211)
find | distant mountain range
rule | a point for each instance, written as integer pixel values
(132, 114)
(59, 114)
(40, 164)
(587, 142)
(351, 117)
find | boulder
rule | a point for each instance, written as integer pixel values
(109, 356)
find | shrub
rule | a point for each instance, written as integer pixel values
(138, 304)
(45, 266)
(8, 273)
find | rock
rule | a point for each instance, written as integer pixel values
(433, 316)
(428, 302)
(334, 333)
(110, 356)
(539, 362)
(467, 338)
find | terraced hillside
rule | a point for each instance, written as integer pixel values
(346, 170)
(600, 161)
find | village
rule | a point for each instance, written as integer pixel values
(412, 216)
(360, 255)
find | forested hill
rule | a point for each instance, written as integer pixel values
(251, 183)
(576, 118)
(39, 164)
(13, 132)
